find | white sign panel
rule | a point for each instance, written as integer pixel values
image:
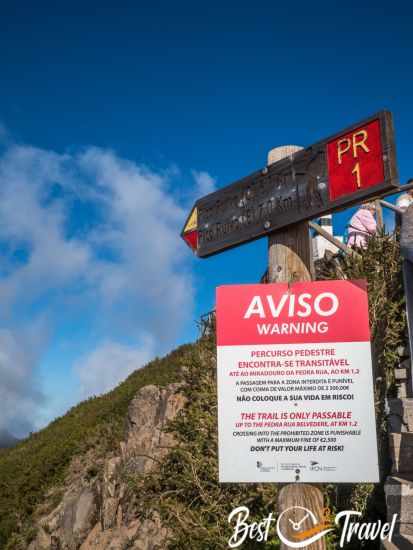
(295, 389)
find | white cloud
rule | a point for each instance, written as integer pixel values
(20, 393)
(100, 232)
(28, 221)
(109, 364)
(205, 183)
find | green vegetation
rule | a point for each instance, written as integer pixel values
(40, 462)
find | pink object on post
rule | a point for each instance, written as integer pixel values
(362, 226)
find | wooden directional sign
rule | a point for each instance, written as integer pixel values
(354, 165)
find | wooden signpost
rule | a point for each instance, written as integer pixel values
(356, 164)
(352, 166)
(347, 168)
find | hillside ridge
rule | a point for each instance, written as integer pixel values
(40, 463)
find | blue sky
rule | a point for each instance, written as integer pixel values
(114, 119)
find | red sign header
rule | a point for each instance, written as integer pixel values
(311, 312)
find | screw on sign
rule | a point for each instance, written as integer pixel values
(355, 160)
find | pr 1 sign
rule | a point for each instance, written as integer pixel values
(295, 390)
(355, 160)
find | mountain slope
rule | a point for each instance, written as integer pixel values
(40, 462)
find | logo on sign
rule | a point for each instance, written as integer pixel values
(263, 468)
(355, 160)
(317, 467)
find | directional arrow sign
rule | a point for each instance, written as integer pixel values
(356, 164)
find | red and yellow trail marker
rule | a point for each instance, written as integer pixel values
(355, 160)
(190, 230)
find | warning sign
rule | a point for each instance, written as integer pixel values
(295, 391)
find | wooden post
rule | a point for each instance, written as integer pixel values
(290, 260)
(289, 255)
(379, 215)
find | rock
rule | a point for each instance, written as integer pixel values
(399, 543)
(403, 351)
(77, 516)
(70, 523)
(148, 413)
(95, 515)
(400, 415)
(42, 540)
(147, 535)
(111, 493)
(399, 500)
(400, 374)
(110, 539)
(151, 535)
(85, 512)
(401, 452)
(402, 390)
